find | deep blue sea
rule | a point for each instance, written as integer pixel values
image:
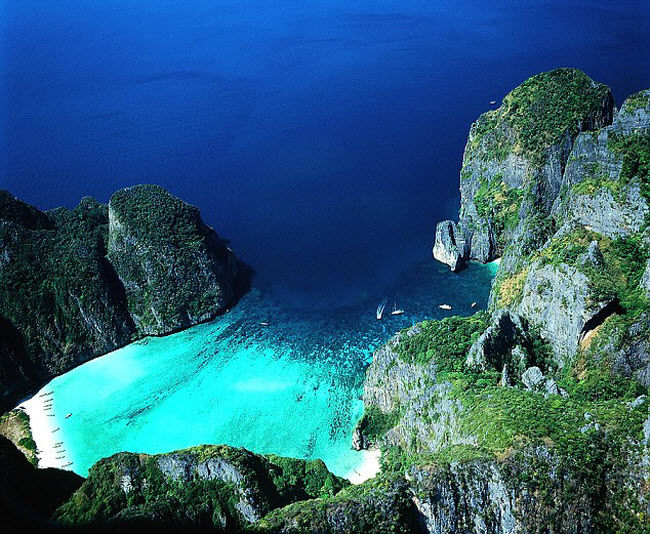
(322, 139)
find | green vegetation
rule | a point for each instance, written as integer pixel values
(374, 423)
(509, 289)
(539, 113)
(57, 275)
(446, 341)
(589, 186)
(637, 101)
(156, 217)
(635, 150)
(376, 506)
(494, 200)
(623, 263)
(14, 425)
(547, 106)
(174, 268)
(300, 479)
(206, 486)
(102, 498)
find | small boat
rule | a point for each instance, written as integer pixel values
(66, 465)
(264, 323)
(492, 102)
(56, 430)
(69, 415)
(381, 308)
(473, 304)
(59, 443)
(396, 311)
(445, 307)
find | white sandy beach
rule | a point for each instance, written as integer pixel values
(41, 409)
(368, 469)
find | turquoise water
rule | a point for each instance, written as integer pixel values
(291, 388)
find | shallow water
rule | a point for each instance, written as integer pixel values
(291, 388)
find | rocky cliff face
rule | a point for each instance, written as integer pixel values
(175, 270)
(78, 283)
(514, 161)
(219, 487)
(533, 413)
(591, 268)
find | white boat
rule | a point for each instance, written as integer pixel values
(396, 311)
(445, 307)
(473, 304)
(381, 308)
(264, 323)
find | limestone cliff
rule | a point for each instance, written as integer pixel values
(534, 412)
(175, 270)
(75, 284)
(219, 487)
(514, 161)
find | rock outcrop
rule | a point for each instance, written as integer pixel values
(175, 270)
(514, 162)
(75, 284)
(481, 413)
(218, 487)
(446, 249)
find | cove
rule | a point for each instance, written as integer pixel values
(292, 387)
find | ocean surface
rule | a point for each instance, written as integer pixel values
(291, 387)
(322, 139)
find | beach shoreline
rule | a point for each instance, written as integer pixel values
(368, 469)
(45, 429)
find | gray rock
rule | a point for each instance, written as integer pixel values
(557, 300)
(488, 161)
(533, 379)
(428, 415)
(551, 387)
(449, 247)
(498, 346)
(359, 441)
(593, 257)
(631, 358)
(639, 401)
(634, 113)
(482, 243)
